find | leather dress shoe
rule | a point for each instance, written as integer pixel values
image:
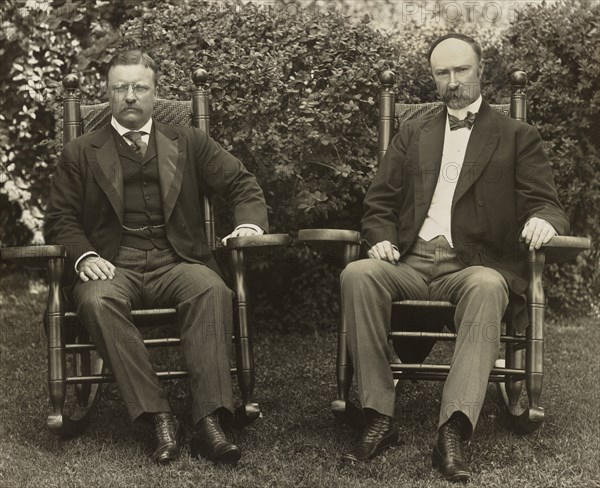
(209, 441)
(448, 456)
(379, 433)
(169, 435)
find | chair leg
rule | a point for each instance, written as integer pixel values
(534, 360)
(534, 377)
(342, 409)
(54, 324)
(61, 420)
(87, 363)
(249, 410)
(529, 419)
(515, 359)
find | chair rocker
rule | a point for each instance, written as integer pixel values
(70, 414)
(416, 325)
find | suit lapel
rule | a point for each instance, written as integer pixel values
(431, 144)
(481, 146)
(171, 162)
(106, 168)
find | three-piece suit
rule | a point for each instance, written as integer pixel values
(143, 213)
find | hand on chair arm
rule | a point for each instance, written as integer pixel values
(537, 232)
(244, 230)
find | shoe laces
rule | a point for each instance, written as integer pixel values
(376, 428)
(165, 426)
(452, 436)
(213, 428)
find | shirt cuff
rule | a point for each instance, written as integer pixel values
(84, 255)
(251, 226)
(258, 229)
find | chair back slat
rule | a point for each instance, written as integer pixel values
(393, 115)
(79, 119)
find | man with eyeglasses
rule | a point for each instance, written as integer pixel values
(126, 202)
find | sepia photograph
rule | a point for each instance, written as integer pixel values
(299, 243)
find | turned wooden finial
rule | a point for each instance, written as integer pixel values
(71, 83)
(518, 79)
(200, 77)
(387, 78)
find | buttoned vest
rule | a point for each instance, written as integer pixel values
(141, 197)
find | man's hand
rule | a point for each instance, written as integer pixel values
(385, 251)
(241, 232)
(95, 268)
(537, 232)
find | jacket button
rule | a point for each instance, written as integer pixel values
(402, 226)
(480, 203)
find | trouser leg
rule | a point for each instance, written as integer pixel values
(104, 308)
(204, 307)
(481, 297)
(368, 288)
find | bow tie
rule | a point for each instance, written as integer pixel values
(139, 145)
(467, 122)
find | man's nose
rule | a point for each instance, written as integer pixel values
(452, 83)
(130, 97)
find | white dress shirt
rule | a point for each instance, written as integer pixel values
(145, 130)
(438, 220)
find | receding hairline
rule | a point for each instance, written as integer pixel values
(461, 37)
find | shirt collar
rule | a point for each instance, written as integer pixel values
(462, 113)
(147, 127)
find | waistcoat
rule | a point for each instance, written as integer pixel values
(141, 197)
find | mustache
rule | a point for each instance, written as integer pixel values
(131, 106)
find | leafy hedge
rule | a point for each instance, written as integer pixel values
(558, 47)
(295, 98)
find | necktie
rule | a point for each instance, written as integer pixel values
(139, 145)
(467, 122)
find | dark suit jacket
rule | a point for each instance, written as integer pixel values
(85, 209)
(505, 180)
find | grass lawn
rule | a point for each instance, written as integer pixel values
(297, 443)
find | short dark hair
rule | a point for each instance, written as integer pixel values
(131, 57)
(456, 35)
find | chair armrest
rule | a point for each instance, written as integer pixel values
(564, 248)
(333, 242)
(314, 236)
(266, 240)
(34, 256)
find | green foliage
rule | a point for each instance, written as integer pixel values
(295, 100)
(294, 96)
(39, 45)
(558, 47)
(36, 58)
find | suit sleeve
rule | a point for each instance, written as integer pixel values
(223, 174)
(535, 189)
(62, 223)
(382, 201)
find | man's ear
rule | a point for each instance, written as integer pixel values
(481, 66)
